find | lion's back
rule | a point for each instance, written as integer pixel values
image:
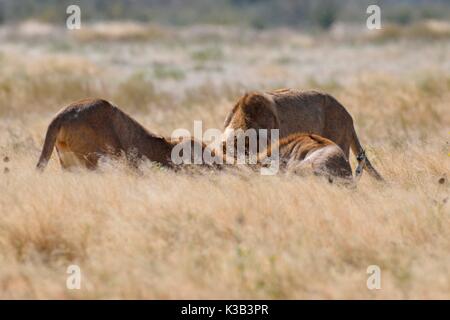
(311, 111)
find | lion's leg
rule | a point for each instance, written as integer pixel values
(361, 157)
(67, 157)
(363, 162)
(342, 137)
(61, 158)
(88, 144)
(345, 146)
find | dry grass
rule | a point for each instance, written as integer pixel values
(426, 30)
(229, 234)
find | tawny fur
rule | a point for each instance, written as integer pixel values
(302, 152)
(293, 111)
(90, 129)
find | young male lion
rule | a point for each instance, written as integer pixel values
(293, 111)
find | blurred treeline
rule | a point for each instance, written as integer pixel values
(255, 13)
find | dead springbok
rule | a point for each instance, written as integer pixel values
(303, 153)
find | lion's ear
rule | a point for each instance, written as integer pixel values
(259, 108)
(253, 104)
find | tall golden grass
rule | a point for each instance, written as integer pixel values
(232, 234)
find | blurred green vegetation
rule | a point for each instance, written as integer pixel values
(256, 13)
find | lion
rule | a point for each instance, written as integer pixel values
(294, 111)
(305, 153)
(90, 129)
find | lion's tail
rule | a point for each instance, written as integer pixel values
(50, 139)
(363, 162)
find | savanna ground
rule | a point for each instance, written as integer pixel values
(229, 234)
